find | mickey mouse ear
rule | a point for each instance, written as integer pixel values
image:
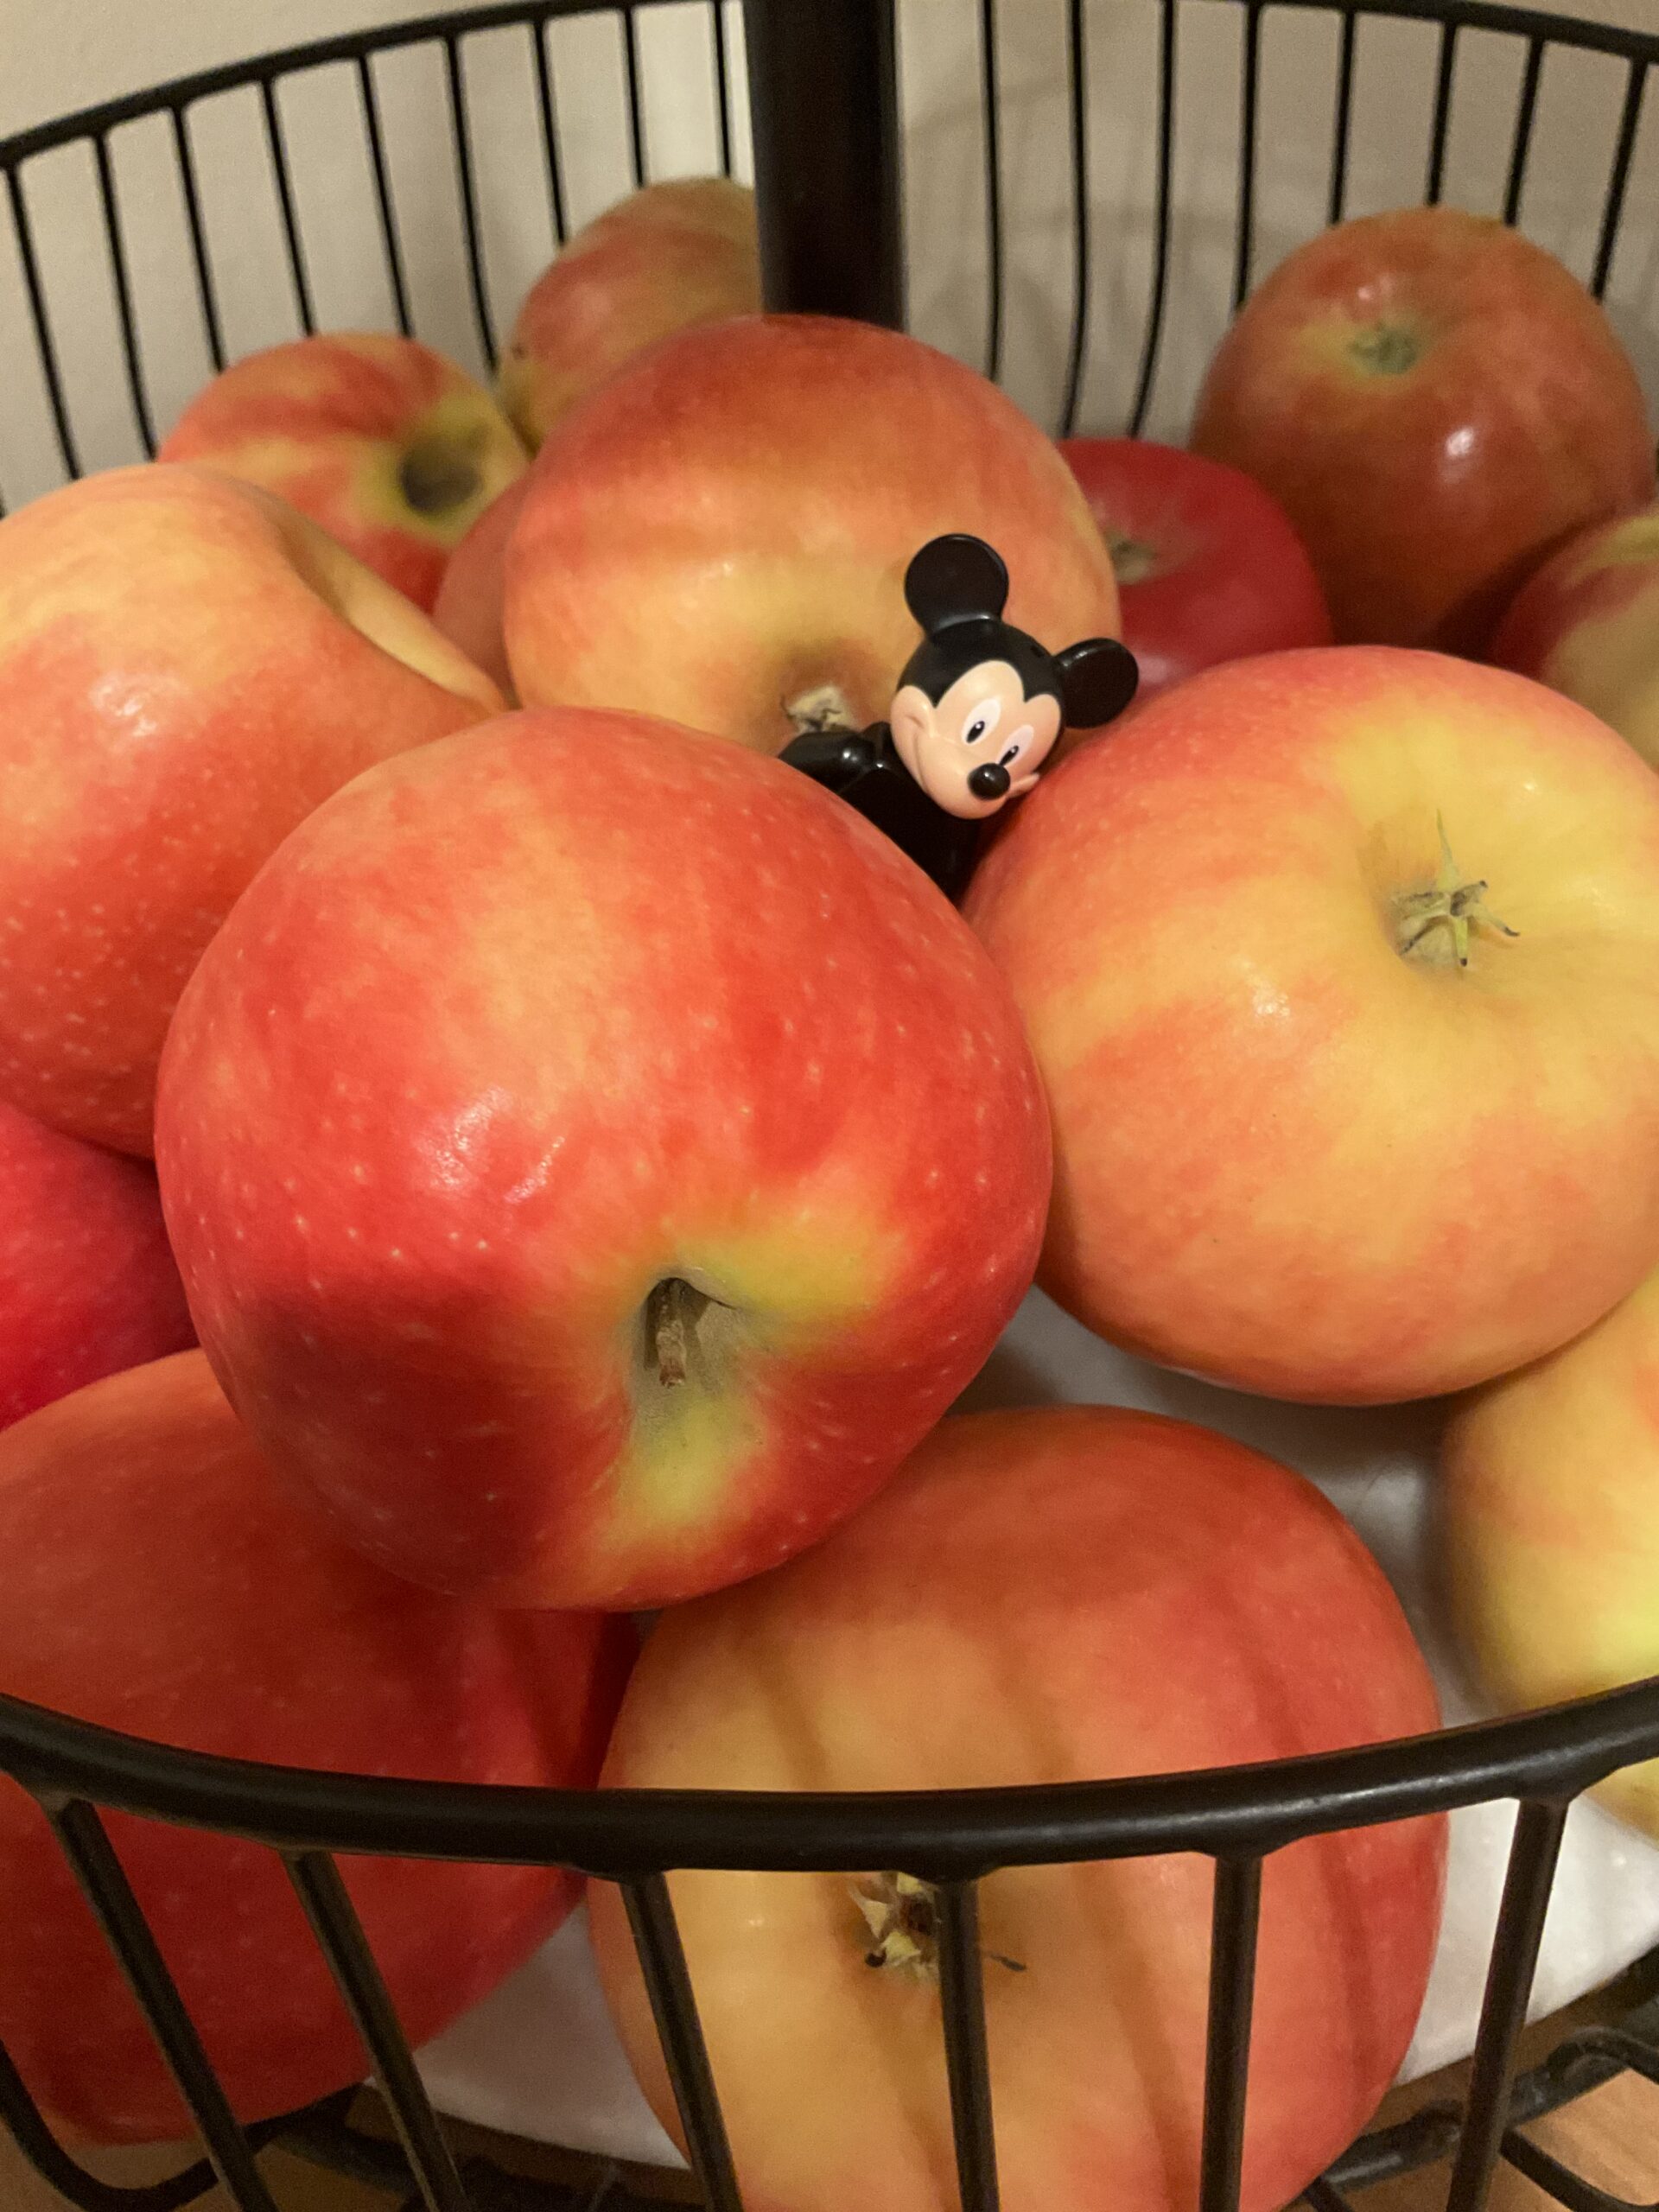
(1099, 677)
(953, 579)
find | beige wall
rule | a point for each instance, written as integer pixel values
(58, 53)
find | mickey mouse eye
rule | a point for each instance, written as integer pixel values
(982, 719)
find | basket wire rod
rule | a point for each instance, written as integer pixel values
(340, 1936)
(1503, 2009)
(1251, 99)
(1079, 126)
(1160, 249)
(636, 113)
(21, 2116)
(1234, 1919)
(722, 83)
(205, 287)
(1339, 199)
(86, 1845)
(468, 193)
(547, 109)
(119, 273)
(962, 2006)
(1443, 76)
(674, 2008)
(1613, 206)
(45, 348)
(1521, 143)
(989, 93)
(1324, 2196)
(277, 144)
(370, 99)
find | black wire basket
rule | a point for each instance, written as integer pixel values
(817, 89)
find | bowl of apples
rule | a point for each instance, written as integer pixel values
(833, 1218)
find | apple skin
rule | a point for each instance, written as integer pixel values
(1208, 566)
(186, 667)
(1550, 1506)
(87, 1281)
(723, 530)
(519, 1027)
(1041, 1597)
(158, 1582)
(1587, 625)
(1288, 1157)
(389, 448)
(1435, 402)
(669, 256)
(467, 608)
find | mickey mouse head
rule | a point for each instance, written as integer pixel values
(980, 705)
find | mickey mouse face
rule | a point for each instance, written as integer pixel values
(979, 745)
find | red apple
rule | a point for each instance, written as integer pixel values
(1434, 401)
(186, 667)
(720, 536)
(1587, 625)
(158, 1582)
(1550, 1519)
(1298, 1147)
(672, 254)
(595, 1156)
(467, 608)
(1062, 1596)
(389, 448)
(87, 1282)
(1208, 566)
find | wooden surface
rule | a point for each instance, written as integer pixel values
(1610, 2137)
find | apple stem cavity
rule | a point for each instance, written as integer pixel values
(1386, 349)
(437, 474)
(1133, 560)
(672, 1311)
(1434, 924)
(825, 707)
(901, 1919)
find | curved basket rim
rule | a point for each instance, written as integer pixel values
(1550, 1756)
(177, 94)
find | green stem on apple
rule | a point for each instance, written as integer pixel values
(1436, 922)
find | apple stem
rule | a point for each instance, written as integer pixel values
(672, 1312)
(824, 707)
(1450, 904)
(902, 1917)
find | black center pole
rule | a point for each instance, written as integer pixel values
(823, 96)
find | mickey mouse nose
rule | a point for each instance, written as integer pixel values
(989, 780)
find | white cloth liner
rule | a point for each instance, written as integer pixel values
(539, 2058)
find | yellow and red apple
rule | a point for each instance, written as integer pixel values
(389, 448)
(1435, 402)
(1587, 625)
(670, 255)
(719, 534)
(1550, 1520)
(88, 1285)
(186, 667)
(199, 1607)
(1339, 969)
(596, 1155)
(1039, 1599)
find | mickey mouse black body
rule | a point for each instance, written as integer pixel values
(979, 708)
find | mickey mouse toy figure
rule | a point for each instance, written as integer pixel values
(979, 708)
